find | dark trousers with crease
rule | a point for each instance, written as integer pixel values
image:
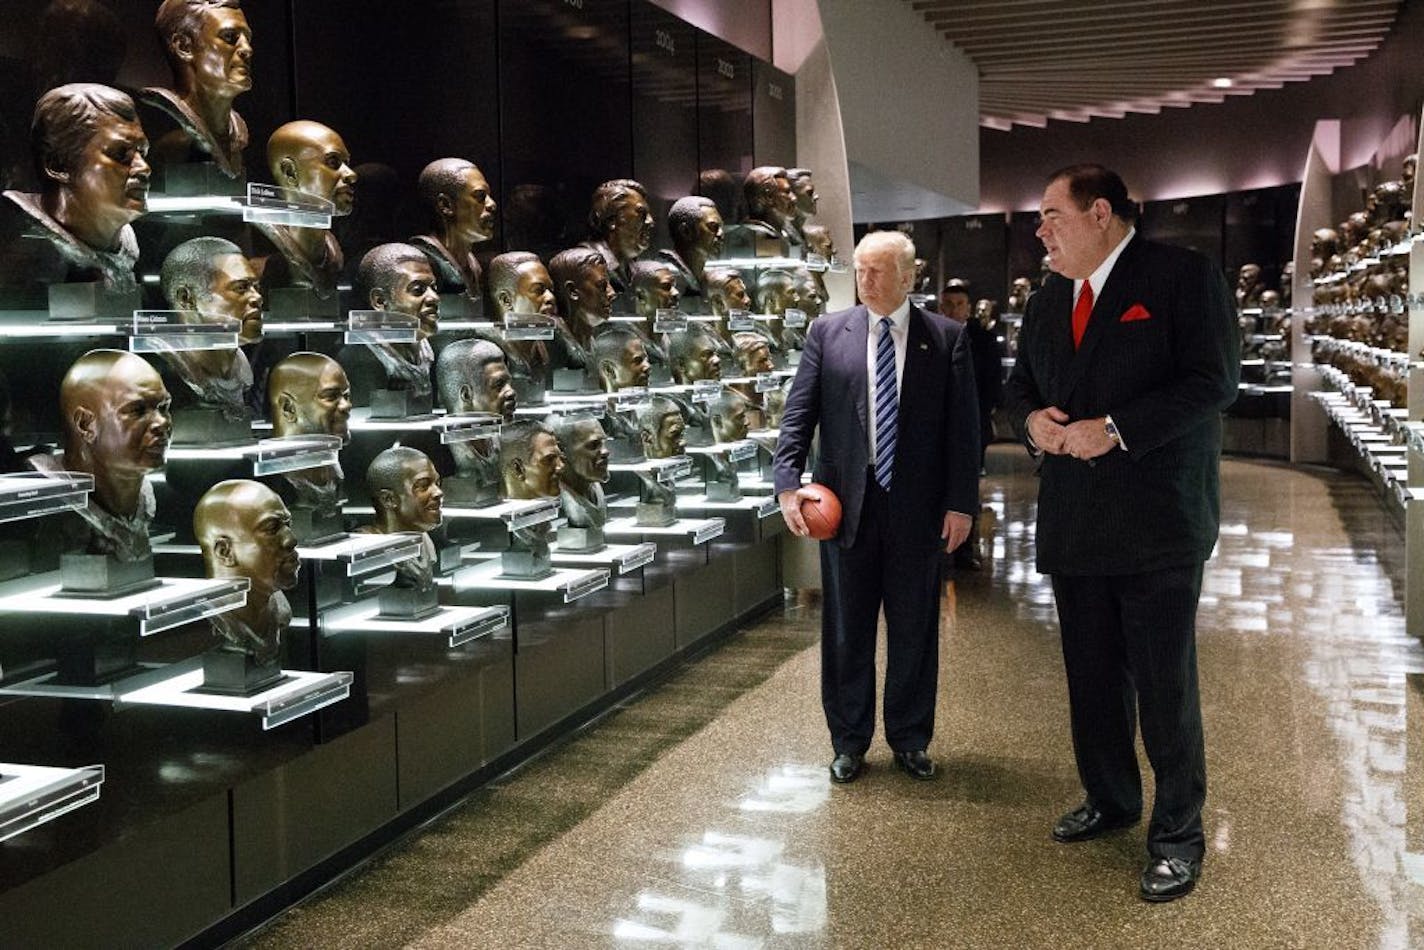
(880, 569)
(1130, 651)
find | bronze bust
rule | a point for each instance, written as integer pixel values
(89, 158)
(621, 224)
(462, 214)
(308, 157)
(696, 228)
(209, 48)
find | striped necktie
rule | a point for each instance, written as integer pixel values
(887, 406)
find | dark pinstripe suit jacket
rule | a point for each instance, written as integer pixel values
(937, 453)
(1164, 377)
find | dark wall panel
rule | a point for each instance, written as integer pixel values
(974, 249)
(664, 109)
(725, 132)
(564, 97)
(774, 115)
(1187, 222)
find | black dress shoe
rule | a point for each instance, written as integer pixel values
(916, 763)
(967, 562)
(1085, 823)
(1166, 879)
(846, 768)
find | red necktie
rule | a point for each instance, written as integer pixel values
(1081, 310)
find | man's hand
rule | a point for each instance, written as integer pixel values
(1087, 439)
(1046, 427)
(955, 530)
(790, 501)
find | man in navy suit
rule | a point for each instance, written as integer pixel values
(891, 388)
(1126, 358)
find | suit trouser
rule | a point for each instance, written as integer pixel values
(879, 570)
(1129, 647)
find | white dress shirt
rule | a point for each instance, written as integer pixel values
(899, 335)
(1099, 277)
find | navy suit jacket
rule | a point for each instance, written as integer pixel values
(1161, 356)
(937, 452)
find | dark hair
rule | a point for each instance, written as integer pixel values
(1087, 182)
(957, 285)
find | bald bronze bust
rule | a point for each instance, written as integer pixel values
(116, 422)
(89, 159)
(308, 157)
(308, 394)
(395, 379)
(209, 48)
(458, 200)
(244, 530)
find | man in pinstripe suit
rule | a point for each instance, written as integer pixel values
(891, 388)
(1127, 357)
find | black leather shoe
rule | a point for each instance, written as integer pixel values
(916, 763)
(1085, 823)
(967, 562)
(1166, 879)
(846, 768)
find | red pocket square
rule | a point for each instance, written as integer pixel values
(1135, 312)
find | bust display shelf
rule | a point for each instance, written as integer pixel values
(219, 804)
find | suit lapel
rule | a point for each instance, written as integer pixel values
(857, 333)
(1106, 310)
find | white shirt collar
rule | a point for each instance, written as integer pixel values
(1099, 277)
(898, 317)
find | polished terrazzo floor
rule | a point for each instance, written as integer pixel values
(700, 814)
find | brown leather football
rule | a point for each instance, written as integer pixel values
(822, 514)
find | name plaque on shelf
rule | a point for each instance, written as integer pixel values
(766, 382)
(380, 326)
(669, 320)
(740, 321)
(793, 318)
(468, 428)
(528, 326)
(705, 390)
(172, 331)
(271, 204)
(32, 494)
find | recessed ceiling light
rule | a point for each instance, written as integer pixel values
(1222, 82)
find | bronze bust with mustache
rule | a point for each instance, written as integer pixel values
(89, 152)
(209, 48)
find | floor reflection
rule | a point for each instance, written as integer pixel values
(753, 887)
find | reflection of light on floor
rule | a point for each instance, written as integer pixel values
(730, 851)
(793, 789)
(690, 924)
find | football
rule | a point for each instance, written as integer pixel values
(822, 514)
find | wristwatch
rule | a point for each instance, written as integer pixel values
(1110, 428)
